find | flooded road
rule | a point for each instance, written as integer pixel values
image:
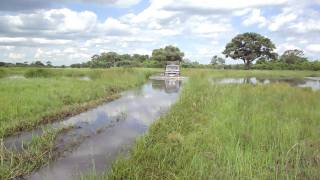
(307, 82)
(103, 133)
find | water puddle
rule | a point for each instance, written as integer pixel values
(85, 78)
(308, 82)
(101, 134)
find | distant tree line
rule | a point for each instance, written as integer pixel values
(112, 59)
(26, 64)
(255, 50)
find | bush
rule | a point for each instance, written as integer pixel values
(38, 73)
(2, 73)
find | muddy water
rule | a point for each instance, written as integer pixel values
(308, 82)
(107, 131)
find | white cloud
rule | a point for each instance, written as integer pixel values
(200, 27)
(16, 56)
(126, 3)
(255, 18)
(219, 5)
(313, 48)
(280, 20)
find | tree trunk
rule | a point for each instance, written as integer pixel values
(247, 65)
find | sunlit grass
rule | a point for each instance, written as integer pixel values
(37, 152)
(50, 94)
(230, 132)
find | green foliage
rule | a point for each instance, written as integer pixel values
(113, 59)
(37, 64)
(293, 56)
(215, 60)
(169, 53)
(281, 65)
(249, 47)
(38, 73)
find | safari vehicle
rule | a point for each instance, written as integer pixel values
(172, 70)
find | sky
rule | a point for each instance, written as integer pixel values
(71, 31)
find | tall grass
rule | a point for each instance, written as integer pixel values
(57, 93)
(16, 164)
(2, 73)
(230, 132)
(37, 73)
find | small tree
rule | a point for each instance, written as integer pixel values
(293, 56)
(216, 60)
(37, 63)
(49, 63)
(250, 47)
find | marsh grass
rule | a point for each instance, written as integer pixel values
(38, 73)
(2, 73)
(16, 164)
(230, 132)
(47, 95)
(26, 103)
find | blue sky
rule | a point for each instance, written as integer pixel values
(71, 31)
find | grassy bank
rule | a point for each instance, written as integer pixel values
(35, 96)
(231, 132)
(40, 150)
(52, 94)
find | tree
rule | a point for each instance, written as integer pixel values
(49, 63)
(216, 60)
(37, 63)
(250, 47)
(169, 53)
(293, 56)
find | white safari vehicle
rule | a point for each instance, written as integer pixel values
(172, 70)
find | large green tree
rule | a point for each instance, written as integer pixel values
(249, 47)
(169, 53)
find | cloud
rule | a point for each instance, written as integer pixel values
(285, 17)
(23, 5)
(56, 26)
(214, 6)
(255, 18)
(16, 56)
(313, 48)
(201, 28)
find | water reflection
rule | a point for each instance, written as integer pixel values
(104, 132)
(169, 85)
(313, 83)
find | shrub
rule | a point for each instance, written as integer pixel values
(37, 73)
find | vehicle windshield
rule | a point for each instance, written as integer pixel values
(172, 68)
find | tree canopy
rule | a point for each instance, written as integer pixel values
(169, 53)
(249, 47)
(293, 56)
(216, 60)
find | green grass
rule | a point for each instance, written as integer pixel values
(230, 132)
(37, 152)
(52, 94)
(47, 95)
